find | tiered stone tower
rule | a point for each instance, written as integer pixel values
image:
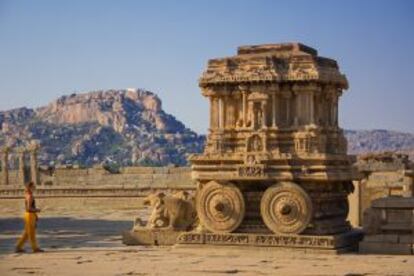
(275, 158)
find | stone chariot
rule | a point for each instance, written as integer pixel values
(275, 158)
(274, 171)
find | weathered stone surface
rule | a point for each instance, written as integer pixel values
(382, 175)
(174, 211)
(392, 238)
(266, 63)
(395, 202)
(385, 248)
(385, 161)
(220, 207)
(406, 239)
(286, 208)
(389, 226)
(5, 165)
(150, 237)
(274, 119)
(329, 242)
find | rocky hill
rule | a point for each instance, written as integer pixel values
(129, 127)
(380, 140)
(125, 126)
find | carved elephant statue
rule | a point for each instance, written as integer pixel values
(171, 211)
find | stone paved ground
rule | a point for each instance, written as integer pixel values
(82, 237)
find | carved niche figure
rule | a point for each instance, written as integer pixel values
(251, 160)
(254, 143)
(257, 110)
(258, 115)
(175, 212)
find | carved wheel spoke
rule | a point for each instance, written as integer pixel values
(286, 208)
(220, 207)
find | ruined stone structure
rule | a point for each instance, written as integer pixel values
(381, 175)
(21, 176)
(389, 226)
(33, 149)
(275, 157)
(384, 203)
(98, 182)
(5, 165)
(275, 163)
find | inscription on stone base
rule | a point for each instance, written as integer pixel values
(264, 240)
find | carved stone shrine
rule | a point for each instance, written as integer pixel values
(275, 170)
(275, 159)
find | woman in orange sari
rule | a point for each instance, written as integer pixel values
(30, 221)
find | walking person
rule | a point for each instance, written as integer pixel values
(30, 221)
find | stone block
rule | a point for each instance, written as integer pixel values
(395, 202)
(161, 170)
(180, 170)
(150, 237)
(406, 238)
(385, 248)
(324, 244)
(391, 238)
(397, 227)
(399, 215)
(137, 170)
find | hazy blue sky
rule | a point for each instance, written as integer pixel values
(52, 48)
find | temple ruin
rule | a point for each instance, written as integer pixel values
(275, 170)
(22, 175)
(275, 157)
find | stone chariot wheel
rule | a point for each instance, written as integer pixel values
(220, 207)
(286, 208)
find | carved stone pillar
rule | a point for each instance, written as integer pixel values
(334, 112)
(231, 110)
(332, 101)
(298, 109)
(5, 165)
(244, 107)
(317, 108)
(250, 117)
(311, 108)
(21, 172)
(275, 104)
(274, 110)
(214, 112)
(335, 108)
(286, 95)
(211, 111)
(264, 114)
(34, 170)
(221, 112)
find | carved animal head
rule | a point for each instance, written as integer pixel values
(153, 198)
(184, 195)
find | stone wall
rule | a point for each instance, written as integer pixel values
(381, 175)
(132, 177)
(97, 177)
(73, 182)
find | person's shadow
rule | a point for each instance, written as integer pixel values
(64, 232)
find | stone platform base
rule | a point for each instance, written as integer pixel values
(387, 244)
(389, 226)
(150, 237)
(344, 242)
